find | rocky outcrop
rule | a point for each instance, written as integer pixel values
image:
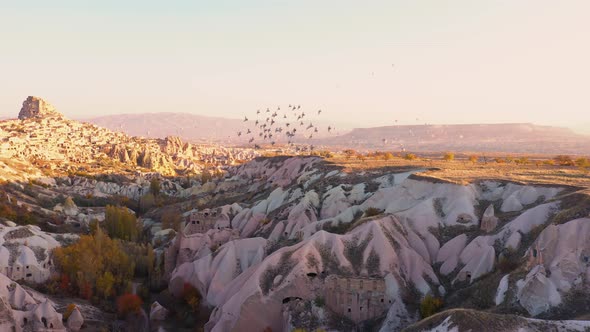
(35, 107)
(75, 321)
(158, 312)
(42, 134)
(69, 207)
(489, 220)
(559, 261)
(24, 253)
(473, 320)
(537, 293)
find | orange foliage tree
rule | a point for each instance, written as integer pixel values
(128, 303)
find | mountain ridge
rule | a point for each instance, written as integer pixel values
(507, 138)
(494, 137)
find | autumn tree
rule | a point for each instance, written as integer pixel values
(191, 296)
(105, 285)
(388, 156)
(171, 219)
(206, 177)
(146, 202)
(583, 162)
(128, 303)
(564, 160)
(155, 187)
(120, 223)
(410, 156)
(12, 211)
(143, 256)
(348, 153)
(96, 264)
(449, 156)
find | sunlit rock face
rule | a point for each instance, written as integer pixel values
(35, 107)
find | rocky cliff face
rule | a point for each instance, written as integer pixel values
(395, 237)
(295, 242)
(35, 107)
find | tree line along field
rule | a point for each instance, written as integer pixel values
(466, 167)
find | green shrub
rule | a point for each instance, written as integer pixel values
(564, 160)
(348, 153)
(583, 162)
(206, 177)
(449, 156)
(373, 263)
(371, 212)
(410, 156)
(319, 301)
(430, 305)
(155, 187)
(146, 202)
(508, 262)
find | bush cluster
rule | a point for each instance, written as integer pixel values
(430, 305)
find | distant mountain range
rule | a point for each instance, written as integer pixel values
(515, 138)
(512, 137)
(190, 127)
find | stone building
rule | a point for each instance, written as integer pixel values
(202, 221)
(359, 299)
(26, 267)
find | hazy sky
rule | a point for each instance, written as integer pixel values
(364, 62)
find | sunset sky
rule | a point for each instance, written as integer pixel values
(364, 63)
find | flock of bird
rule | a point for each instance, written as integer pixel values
(290, 124)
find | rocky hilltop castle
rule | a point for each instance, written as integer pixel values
(46, 138)
(35, 107)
